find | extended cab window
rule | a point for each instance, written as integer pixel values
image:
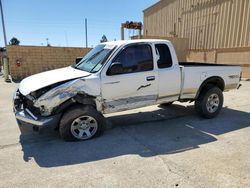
(165, 60)
(135, 58)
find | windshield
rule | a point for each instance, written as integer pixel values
(95, 59)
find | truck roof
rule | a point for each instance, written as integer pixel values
(122, 42)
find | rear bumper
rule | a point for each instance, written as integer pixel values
(25, 117)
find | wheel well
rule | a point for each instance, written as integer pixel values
(212, 81)
(75, 101)
(85, 100)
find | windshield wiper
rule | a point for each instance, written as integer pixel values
(75, 67)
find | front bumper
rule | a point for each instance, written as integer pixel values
(25, 116)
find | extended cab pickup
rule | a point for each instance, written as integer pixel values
(118, 76)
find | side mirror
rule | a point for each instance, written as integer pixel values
(78, 59)
(115, 69)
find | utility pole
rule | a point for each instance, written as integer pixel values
(122, 33)
(86, 32)
(66, 38)
(4, 32)
(5, 59)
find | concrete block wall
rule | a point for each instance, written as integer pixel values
(29, 60)
(33, 59)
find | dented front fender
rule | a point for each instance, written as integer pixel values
(64, 92)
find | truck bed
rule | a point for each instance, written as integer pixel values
(195, 73)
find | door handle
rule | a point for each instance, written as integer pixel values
(150, 78)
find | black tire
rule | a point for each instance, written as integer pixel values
(202, 105)
(166, 104)
(76, 112)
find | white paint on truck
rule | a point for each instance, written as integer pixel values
(118, 76)
(41, 80)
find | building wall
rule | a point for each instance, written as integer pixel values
(180, 45)
(33, 59)
(208, 24)
(236, 56)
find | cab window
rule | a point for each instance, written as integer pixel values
(165, 59)
(135, 58)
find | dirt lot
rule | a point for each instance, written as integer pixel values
(148, 147)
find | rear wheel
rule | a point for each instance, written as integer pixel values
(81, 123)
(210, 102)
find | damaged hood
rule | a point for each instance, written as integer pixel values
(41, 80)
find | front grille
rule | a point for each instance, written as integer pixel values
(26, 103)
(17, 101)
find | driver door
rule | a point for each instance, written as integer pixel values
(136, 85)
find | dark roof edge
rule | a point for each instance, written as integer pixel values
(152, 6)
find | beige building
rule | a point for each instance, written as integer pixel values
(209, 24)
(218, 30)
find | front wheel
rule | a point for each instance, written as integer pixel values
(209, 103)
(81, 123)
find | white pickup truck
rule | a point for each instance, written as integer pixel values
(118, 76)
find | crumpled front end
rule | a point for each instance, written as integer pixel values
(26, 113)
(58, 95)
(40, 108)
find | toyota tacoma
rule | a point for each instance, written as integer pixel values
(118, 76)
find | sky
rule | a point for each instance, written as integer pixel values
(62, 21)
